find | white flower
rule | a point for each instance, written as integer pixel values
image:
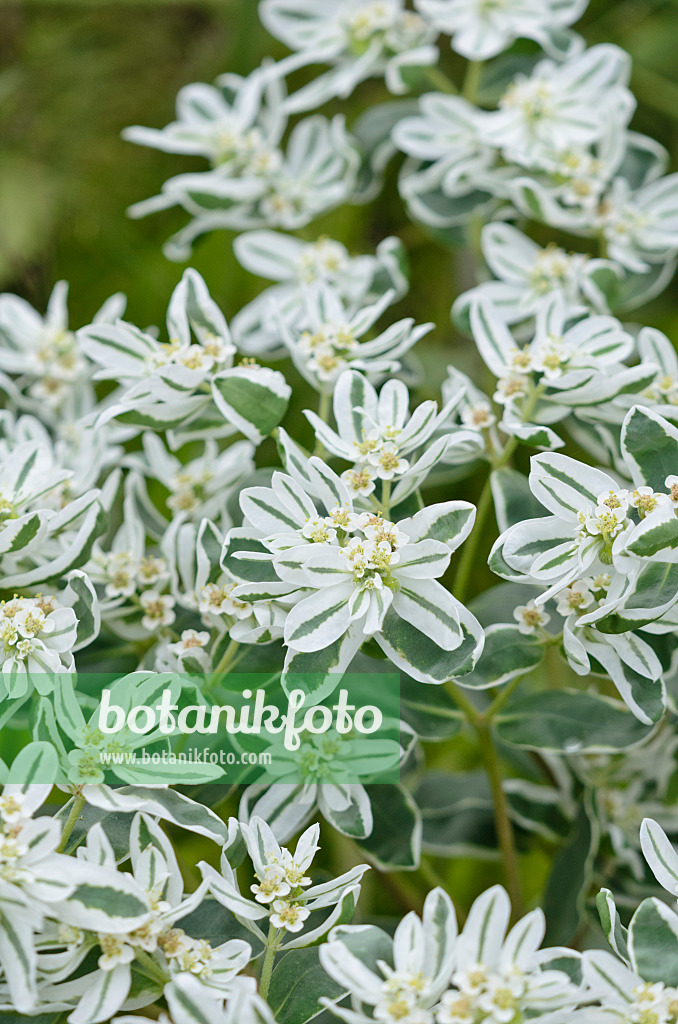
(671, 484)
(272, 885)
(647, 500)
(576, 597)
(334, 341)
(44, 352)
(378, 434)
(114, 951)
(481, 30)
(564, 105)
(530, 618)
(641, 228)
(289, 916)
(217, 600)
(37, 635)
(530, 276)
(478, 416)
(564, 368)
(361, 38)
(295, 265)
(158, 609)
(190, 641)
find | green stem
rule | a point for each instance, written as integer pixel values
(501, 698)
(481, 722)
(226, 660)
(468, 556)
(440, 81)
(76, 810)
(324, 409)
(502, 820)
(472, 80)
(385, 498)
(272, 943)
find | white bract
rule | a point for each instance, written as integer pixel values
(41, 353)
(165, 385)
(384, 442)
(564, 369)
(333, 340)
(358, 575)
(238, 125)
(479, 975)
(361, 38)
(481, 30)
(161, 532)
(529, 277)
(297, 265)
(283, 891)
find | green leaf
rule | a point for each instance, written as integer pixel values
(514, 502)
(253, 399)
(651, 444)
(615, 932)
(507, 653)
(653, 942)
(431, 713)
(570, 880)
(569, 721)
(297, 983)
(37, 762)
(653, 593)
(395, 843)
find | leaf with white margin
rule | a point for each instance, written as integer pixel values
(161, 803)
(24, 532)
(18, 955)
(485, 928)
(102, 900)
(615, 932)
(653, 942)
(319, 672)
(636, 672)
(522, 545)
(660, 855)
(36, 763)
(449, 522)
(656, 536)
(104, 996)
(566, 487)
(421, 657)
(653, 592)
(252, 398)
(347, 808)
(80, 595)
(123, 350)
(495, 342)
(431, 609)
(320, 619)
(507, 654)
(650, 447)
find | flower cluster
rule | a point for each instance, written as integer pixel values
(170, 511)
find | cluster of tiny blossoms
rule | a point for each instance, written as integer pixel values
(144, 534)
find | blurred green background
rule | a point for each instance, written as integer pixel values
(72, 75)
